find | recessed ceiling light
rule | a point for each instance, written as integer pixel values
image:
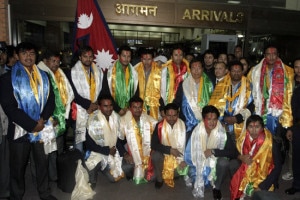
(234, 2)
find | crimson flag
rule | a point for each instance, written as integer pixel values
(91, 29)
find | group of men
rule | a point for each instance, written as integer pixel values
(149, 122)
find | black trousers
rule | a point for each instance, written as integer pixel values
(4, 168)
(296, 156)
(19, 156)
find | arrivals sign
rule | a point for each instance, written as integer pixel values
(210, 15)
(213, 15)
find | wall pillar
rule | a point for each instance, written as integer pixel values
(4, 21)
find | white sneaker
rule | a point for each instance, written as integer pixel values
(287, 176)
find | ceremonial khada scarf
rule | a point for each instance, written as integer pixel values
(272, 92)
(233, 104)
(171, 78)
(150, 90)
(122, 84)
(104, 133)
(88, 85)
(175, 138)
(63, 97)
(192, 103)
(31, 90)
(201, 169)
(138, 136)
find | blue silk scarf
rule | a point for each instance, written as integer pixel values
(190, 119)
(25, 96)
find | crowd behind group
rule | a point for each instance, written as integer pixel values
(196, 117)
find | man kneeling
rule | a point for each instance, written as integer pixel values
(209, 154)
(103, 144)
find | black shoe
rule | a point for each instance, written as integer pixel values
(158, 184)
(50, 197)
(93, 186)
(291, 191)
(217, 194)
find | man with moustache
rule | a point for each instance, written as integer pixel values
(168, 144)
(209, 59)
(63, 97)
(238, 52)
(103, 144)
(209, 153)
(149, 75)
(86, 82)
(121, 80)
(193, 94)
(272, 82)
(233, 98)
(136, 129)
(174, 72)
(27, 99)
(221, 70)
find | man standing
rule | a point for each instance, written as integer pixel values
(137, 127)
(85, 79)
(234, 100)
(293, 134)
(121, 81)
(209, 59)
(193, 94)
(272, 91)
(173, 73)
(238, 52)
(149, 75)
(3, 57)
(63, 97)
(160, 60)
(221, 71)
(289, 174)
(168, 144)
(208, 153)
(103, 144)
(62, 89)
(222, 57)
(11, 57)
(4, 149)
(27, 98)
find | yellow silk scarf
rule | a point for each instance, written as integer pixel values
(262, 162)
(286, 118)
(138, 137)
(91, 81)
(139, 141)
(221, 95)
(34, 79)
(176, 139)
(59, 79)
(150, 91)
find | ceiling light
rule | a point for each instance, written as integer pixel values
(234, 2)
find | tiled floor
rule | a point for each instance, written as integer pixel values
(126, 190)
